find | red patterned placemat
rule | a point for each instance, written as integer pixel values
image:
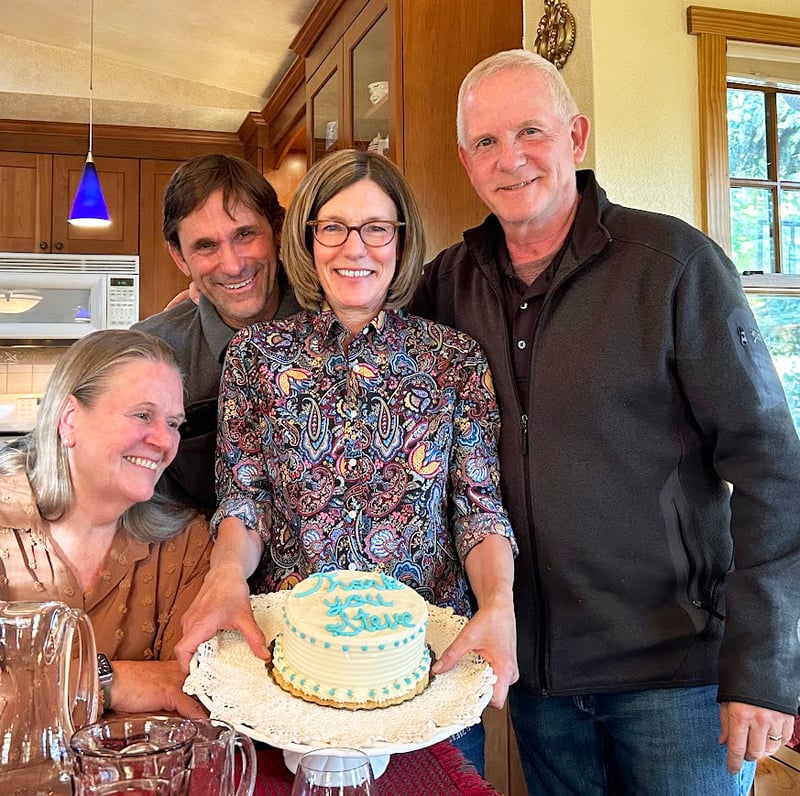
(438, 770)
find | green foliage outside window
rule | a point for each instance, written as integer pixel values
(765, 184)
(778, 319)
(764, 155)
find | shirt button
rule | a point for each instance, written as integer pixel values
(521, 344)
(524, 305)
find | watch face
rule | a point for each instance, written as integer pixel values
(104, 668)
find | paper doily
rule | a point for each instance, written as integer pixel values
(236, 686)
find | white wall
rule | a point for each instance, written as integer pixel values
(634, 73)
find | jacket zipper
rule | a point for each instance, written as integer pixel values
(524, 420)
(539, 641)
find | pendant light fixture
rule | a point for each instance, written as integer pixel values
(89, 207)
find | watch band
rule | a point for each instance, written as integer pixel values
(105, 675)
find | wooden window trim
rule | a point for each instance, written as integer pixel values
(713, 28)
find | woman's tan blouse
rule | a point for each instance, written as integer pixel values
(137, 600)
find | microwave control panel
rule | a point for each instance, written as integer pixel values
(122, 309)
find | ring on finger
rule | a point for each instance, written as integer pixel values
(775, 737)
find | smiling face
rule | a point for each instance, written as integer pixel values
(118, 447)
(519, 155)
(354, 277)
(232, 259)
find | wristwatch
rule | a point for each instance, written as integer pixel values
(105, 674)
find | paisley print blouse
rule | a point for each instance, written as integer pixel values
(379, 453)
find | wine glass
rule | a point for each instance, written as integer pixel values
(334, 771)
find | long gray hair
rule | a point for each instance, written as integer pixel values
(85, 372)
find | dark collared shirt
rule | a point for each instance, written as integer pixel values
(523, 304)
(199, 338)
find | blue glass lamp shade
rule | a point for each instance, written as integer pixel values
(89, 207)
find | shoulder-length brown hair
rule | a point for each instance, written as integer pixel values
(324, 180)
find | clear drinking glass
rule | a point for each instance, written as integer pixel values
(334, 771)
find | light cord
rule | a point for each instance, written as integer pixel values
(91, 73)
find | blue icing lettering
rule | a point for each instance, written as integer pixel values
(354, 623)
(329, 581)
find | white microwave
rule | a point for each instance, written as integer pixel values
(64, 297)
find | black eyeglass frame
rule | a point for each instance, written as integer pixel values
(394, 224)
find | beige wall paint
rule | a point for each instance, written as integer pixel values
(634, 73)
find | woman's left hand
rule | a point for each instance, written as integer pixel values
(152, 686)
(492, 634)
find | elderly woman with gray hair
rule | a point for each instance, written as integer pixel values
(79, 524)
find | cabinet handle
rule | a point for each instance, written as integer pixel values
(59, 246)
(43, 244)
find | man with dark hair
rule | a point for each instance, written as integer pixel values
(222, 224)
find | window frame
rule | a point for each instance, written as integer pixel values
(713, 28)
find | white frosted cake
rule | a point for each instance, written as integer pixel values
(353, 640)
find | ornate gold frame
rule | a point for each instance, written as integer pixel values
(555, 33)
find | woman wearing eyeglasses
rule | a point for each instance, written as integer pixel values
(353, 435)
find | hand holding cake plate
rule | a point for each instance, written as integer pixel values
(236, 686)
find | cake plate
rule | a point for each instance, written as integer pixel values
(379, 755)
(236, 686)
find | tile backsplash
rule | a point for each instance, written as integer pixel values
(26, 369)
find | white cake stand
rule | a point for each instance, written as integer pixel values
(379, 755)
(236, 686)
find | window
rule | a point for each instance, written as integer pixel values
(754, 175)
(764, 158)
(775, 301)
(714, 28)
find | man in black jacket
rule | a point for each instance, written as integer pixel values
(634, 390)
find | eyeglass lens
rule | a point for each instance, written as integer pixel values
(373, 233)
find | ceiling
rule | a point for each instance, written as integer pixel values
(191, 64)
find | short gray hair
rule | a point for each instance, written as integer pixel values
(563, 102)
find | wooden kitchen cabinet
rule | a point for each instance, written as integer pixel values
(159, 278)
(26, 195)
(119, 179)
(422, 49)
(36, 193)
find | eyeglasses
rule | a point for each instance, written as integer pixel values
(372, 233)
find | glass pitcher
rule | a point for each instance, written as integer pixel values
(48, 684)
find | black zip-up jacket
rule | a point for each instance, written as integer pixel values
(651, 391)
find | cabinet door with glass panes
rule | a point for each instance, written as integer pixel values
(370, 93)
(324, 108)
(352, 101)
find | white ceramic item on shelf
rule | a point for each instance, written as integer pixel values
(378, 90)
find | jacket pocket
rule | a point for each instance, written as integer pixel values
(687, 558)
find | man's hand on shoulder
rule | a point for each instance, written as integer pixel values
(191, 292)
